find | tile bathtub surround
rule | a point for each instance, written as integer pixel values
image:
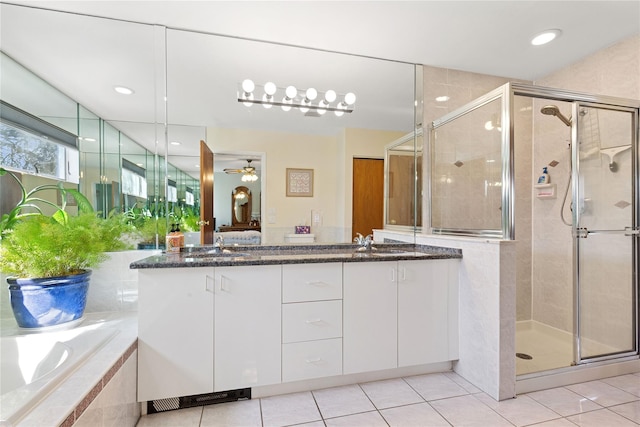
(412, 401)
(112, 366)
(100, 387)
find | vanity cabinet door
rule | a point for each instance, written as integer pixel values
(370, 323)
(175, 332)
(247, 326)
(427, 311)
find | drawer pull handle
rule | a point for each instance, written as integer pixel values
(316, 360)
(313, 321)
(318, 283)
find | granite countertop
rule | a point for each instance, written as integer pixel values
(207, 256)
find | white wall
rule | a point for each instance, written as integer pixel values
(330, 157)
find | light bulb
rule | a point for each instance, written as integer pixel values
(291, 92)
(248, 97)
(270, 88)
(311, 94)
(288, 102)
(350, 98)
(248, 86)
(267, 101)
(339, 112)
(323, 104)
(330, 96)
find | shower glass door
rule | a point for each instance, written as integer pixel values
(604, 230)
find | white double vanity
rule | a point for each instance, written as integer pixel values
(282, 319)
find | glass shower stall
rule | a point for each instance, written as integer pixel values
(576, 234)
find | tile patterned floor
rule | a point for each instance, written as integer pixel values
(443, 399)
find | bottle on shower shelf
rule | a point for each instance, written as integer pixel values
(544, 178)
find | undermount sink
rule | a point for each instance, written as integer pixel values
(379, 252)
(217, 253)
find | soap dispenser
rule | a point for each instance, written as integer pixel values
(544, 178)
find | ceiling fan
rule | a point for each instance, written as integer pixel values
(249, 172)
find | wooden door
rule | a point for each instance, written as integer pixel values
(207, 224)
(368, 196)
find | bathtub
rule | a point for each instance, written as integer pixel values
(34, 363)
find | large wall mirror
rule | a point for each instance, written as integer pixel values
(202, 74)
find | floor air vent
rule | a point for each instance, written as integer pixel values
(161, 405)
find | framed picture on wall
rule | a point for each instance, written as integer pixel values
(299, 182)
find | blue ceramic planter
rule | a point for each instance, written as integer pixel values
(50, 301)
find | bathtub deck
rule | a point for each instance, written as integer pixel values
(65, 404)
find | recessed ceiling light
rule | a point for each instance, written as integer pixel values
(545, 37)
(123, 90)
(443, 98)
(175, 143)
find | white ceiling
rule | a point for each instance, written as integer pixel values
(85, 57)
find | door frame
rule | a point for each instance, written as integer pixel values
(552, 94)
(580, 234)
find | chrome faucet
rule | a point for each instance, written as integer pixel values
(365, 243)
(219, 243)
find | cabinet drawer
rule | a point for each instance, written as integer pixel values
(312, 359)
(311, 282)
(307, 321)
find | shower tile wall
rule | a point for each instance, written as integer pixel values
(612, 71)
(461, 87)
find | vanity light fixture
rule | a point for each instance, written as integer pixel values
(123, 90)
(310, 99)
(545, 37)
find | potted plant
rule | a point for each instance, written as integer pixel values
(49, 258)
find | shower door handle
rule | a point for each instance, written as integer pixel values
(583, 232)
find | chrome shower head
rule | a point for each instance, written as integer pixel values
(553, 110)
